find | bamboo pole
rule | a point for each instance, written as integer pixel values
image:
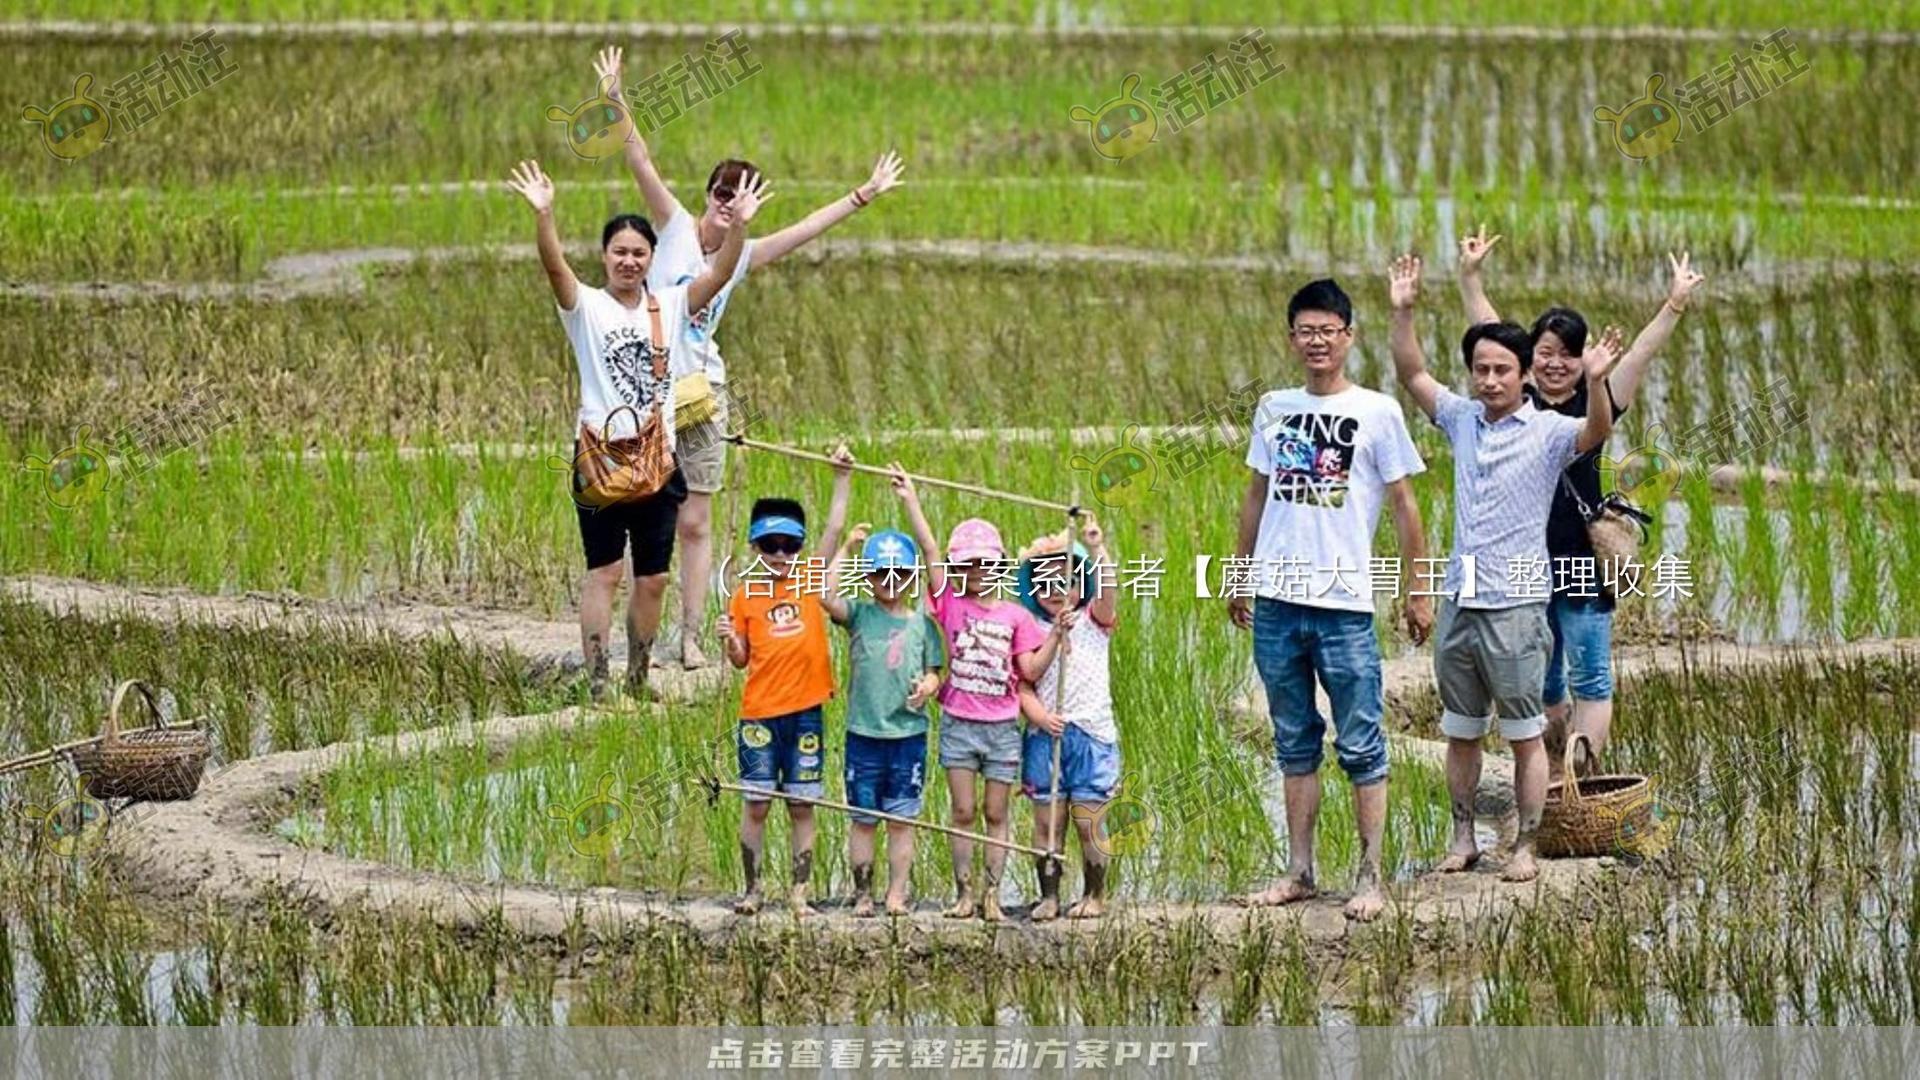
(53, 753)
(1056, 830)
(715, 786)
(930, 481)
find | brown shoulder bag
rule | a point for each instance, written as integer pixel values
(610, 471)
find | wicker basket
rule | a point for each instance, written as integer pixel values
(154, 764)
(1595, 815)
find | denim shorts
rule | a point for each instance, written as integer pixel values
(1293, 644)
(885, 774)
(1582, 657)
(990, 747)
(783, 753)
(1089, 768)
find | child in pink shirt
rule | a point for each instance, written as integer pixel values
(993, 645)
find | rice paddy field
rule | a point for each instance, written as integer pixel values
(319, 243)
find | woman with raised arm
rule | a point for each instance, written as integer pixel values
(617, 333)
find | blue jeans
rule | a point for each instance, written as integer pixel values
(887, 775)
(1294, 643)
(1582, 652)
(783, 753)
(1089, 768)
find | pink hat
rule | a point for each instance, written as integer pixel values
(975, 539)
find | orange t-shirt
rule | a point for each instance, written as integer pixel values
(789, 662)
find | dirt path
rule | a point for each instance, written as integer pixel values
(218, 849)
(340, 272)
(553, 647)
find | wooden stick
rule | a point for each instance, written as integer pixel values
(931, 481)
(1056, 831)
(714, 786)
(53, 753)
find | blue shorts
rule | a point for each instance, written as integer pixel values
(783, 753)
(1089, 768)
(1293, 644)
(885, 774)
(1582, 652)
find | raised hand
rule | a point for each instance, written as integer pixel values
(902, 483)
(886, 175)
(1474, 249)
(533, 186)
(1601, 354)
(607, 71)
(1685, 277)
(858, 536)
(751, 196)
(1403, 282)
(842, 457)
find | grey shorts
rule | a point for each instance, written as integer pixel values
(985, 747)
(702, 453)
(1492, 663)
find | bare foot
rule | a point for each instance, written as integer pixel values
(800, 908)
(691, 658)
(898, 907)
(863, 907)
(1520, 867)
(1047, 910)
(747, 905)
(962, 908)
(1366, 905)
(1089, 907)
(1285, 891)
(1457, 862)
(990, 909)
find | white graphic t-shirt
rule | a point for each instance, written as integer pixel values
(1328, 459)
(612, 345)
(1089, 701)
(677, 261)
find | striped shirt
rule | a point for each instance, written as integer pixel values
(1504, 477)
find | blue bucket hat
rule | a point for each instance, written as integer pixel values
(891, 549)
(776, 526)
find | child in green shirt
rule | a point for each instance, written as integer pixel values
(897, 653)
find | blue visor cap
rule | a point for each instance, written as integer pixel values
(891, 549)
(776, 526)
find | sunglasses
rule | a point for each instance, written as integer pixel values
(723, 194)
(779, 545)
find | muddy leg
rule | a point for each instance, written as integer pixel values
(1463, 784)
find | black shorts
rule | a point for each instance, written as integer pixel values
(650, 522)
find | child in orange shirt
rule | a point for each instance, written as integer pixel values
(777, 631)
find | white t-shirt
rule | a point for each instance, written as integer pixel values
(612, 346)
(677, 261)
(1328, 459)
(1089, 701)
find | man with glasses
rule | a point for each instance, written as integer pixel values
(687, 247)
(1324, 456)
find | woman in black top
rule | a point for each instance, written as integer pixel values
(1581, 612)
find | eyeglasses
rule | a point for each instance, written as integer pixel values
(779, 545)
(1319, 333)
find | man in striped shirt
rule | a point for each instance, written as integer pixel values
(1491, 649)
